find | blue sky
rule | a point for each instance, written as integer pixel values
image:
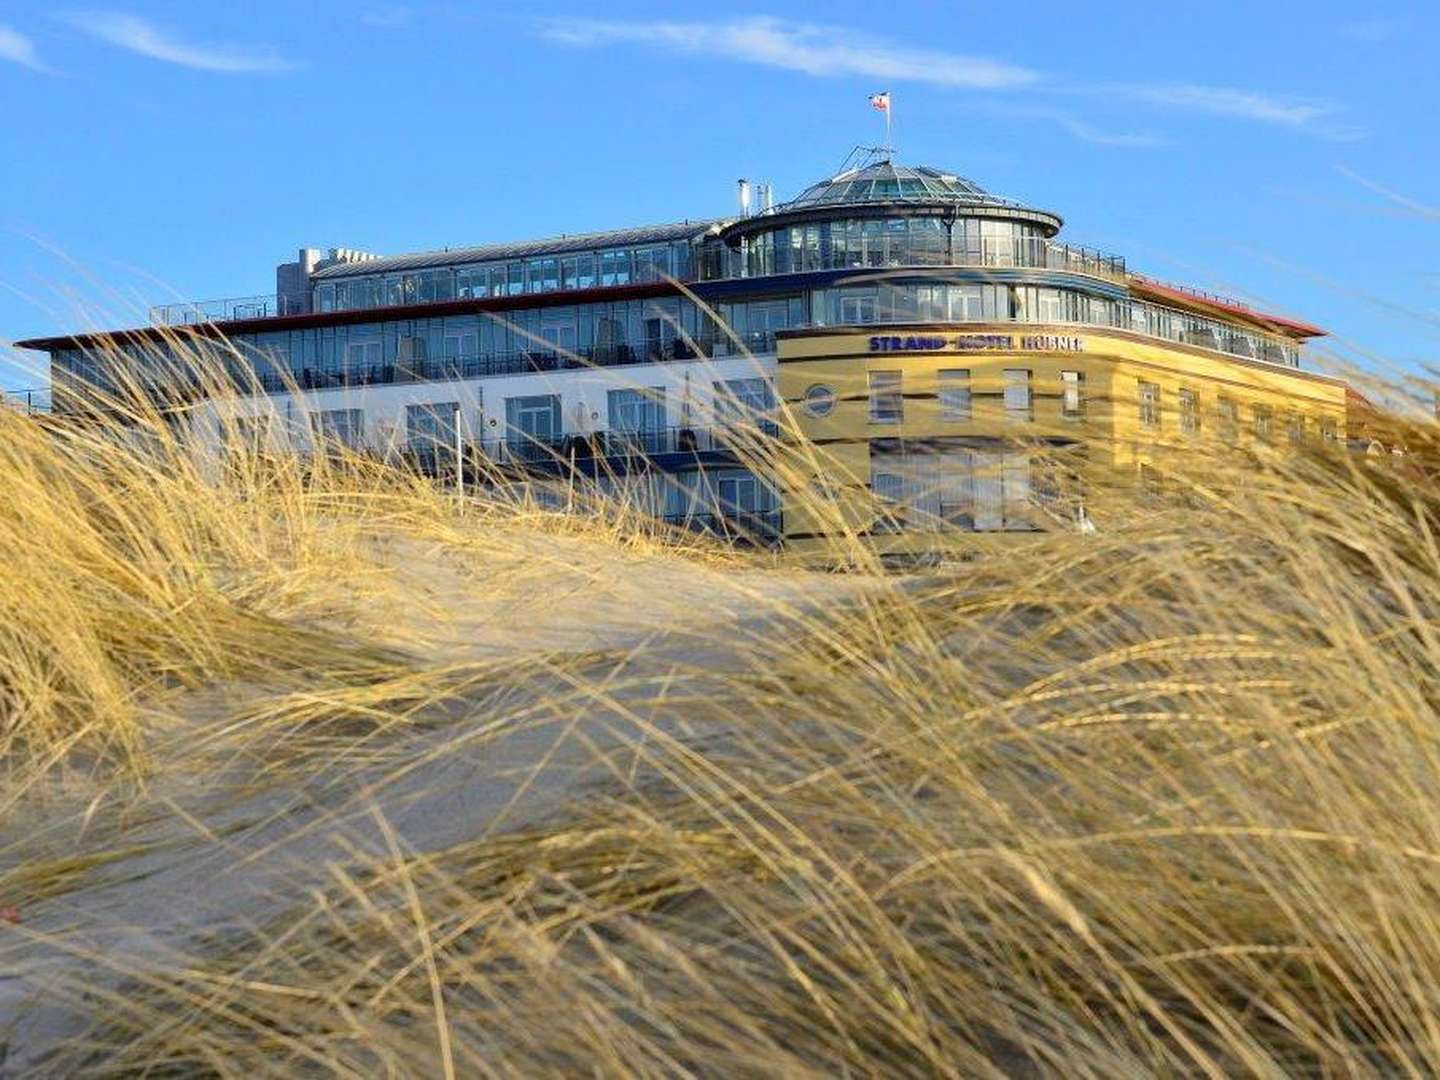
(1285, 152)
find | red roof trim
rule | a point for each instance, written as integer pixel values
(347, 318)
(1291, 326)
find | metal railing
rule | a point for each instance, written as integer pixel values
(27, 401)
(760, 527)
(523, 448)
(192, 312)
(1025, 252)
(475, 367)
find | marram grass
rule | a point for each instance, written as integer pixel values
(1163, 799)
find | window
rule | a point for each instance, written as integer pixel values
(338, 428)
(461, 346)
(431, 427)
(743, 401)
(254, 433)
(1072, 395)
(558, 332)
(1189, 411)
(1050, 306)
(362, 357)
(1228, 415)
(1295, 427)
(1149, 399)
(955, 394)
(857, 309)
(635, 414)
(533, 419)
(1017, 394)
(887, 404)
(1327, 429)
(926, 490)
(411, 351)
(1264, 421)
(738, 494)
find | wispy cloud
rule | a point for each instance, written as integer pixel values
(137, 35)
(1080, 129)
(811, 48)
(1404, 202)
(1303, 114)
(19, 49)
(388, 17)
(829, 51)
(1371, 31)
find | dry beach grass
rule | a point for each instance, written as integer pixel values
(326, 771)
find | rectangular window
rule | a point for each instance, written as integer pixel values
(1227, 413)
(461, 346)
(1189, 411)
(362, 360)
(411, 350)
(1264, 421)
(1072, 395)
(532, 420)
(1295, 427)
(338, 428)
(430, 428)
(638, 415)
(1327, 429)
(1018, 400)
(887, 405)
(743, 401)
(857, 308)
(557, 332)
(1148, 396)
(955, 394)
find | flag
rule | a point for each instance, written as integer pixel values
(881, 101)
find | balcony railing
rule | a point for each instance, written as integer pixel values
(524, 449)
(1025, 252)
(191, 312)
(27, 401)
(475, 367)
(541, 455)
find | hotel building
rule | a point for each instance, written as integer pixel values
(930, 337)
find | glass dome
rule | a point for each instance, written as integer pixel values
(886, 182)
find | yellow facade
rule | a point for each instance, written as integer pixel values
(1129, 389)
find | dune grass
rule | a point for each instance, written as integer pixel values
(1162, 799)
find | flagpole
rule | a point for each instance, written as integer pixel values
(889, 109)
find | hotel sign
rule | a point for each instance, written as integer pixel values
(973, 342)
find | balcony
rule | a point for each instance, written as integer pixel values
(1027, 252)
(520, 448)
(193, 312)
(475, 367)
(27, 401)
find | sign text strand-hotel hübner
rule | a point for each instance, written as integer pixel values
(1000, 342)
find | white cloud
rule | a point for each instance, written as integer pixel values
(139, 36)
(821, 50)
(1302, 114)
(810, 48)
(1071, 124)
(388, 17)
(1371, 31)
(19, 49)
(1242, 104)
(1404, 202)
(1085, 133)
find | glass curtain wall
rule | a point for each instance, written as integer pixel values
(508, 277)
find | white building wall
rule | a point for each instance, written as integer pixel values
(584, 403)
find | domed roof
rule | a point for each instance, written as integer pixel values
(886, 182)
